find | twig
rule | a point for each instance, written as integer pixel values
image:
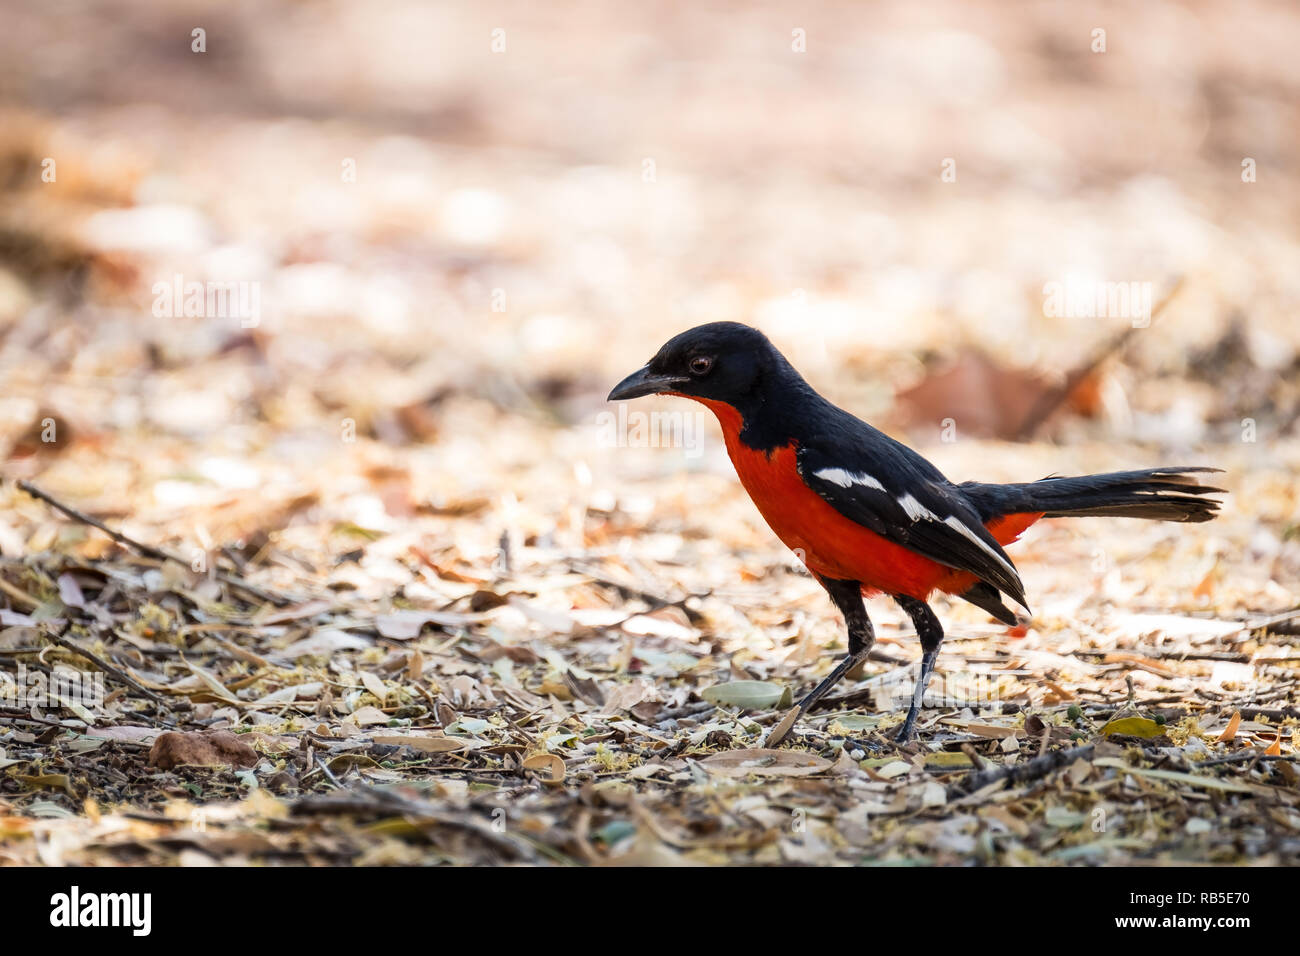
(18, 594)
(279, 600)
(1272, 713)
(686, 710)
(1050, 401)
(532, 741)
(370, 799)
(978, 762)
(1242, 755)
(58, 638)
(656, 601)
(328, 773)
(1021, 772)
(1272, 622)
(21, 715)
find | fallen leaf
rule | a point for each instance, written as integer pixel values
(946, 759)
(1174, 776)
(1132, 727)
(210, 681)
(323, 643)
(428, 744)
(405, 625)
(209, 748)
(368, 716)
(374, 685)
(1231, 730)
(1064, 818)
(47, 781)
(764, 762)
(745, 694)
(127, 733)
(549, 767)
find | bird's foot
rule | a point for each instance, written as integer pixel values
(904, 735)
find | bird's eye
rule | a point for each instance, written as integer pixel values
(701, 364)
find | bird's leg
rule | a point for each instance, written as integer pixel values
(930, 631)
(847, 596)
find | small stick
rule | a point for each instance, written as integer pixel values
(1053, 399)
(1021, 773)
(59, 639)
(147, 549)
(1268, 623)
(363, 798)
(978, 762)
(13, 714)
(656, 601)
(532, 741)
(1242, 755)
(328, 773)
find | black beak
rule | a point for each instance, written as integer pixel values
(644, 382)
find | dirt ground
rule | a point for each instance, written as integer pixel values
(433, 600)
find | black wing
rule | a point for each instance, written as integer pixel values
(888, 488)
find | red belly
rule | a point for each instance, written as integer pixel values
(828, 543)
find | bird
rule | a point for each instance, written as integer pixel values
(868, 515)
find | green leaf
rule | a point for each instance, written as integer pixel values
(856, 722)
(746, 694)
(468, 725)
(1064, 818)
(614, 831)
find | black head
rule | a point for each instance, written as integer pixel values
(724, 361)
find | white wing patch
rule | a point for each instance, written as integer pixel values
(846, 479)
(958, 525)
(913, 508)
(919, 512)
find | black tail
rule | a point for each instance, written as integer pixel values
(986, 596)
(1160, 494)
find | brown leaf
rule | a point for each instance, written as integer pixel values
(1231, 730)
(549, 767)
(368, 716)
(415, 665)
(209, 748)
(374, 685)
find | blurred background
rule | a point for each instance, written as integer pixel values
(447, 229)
